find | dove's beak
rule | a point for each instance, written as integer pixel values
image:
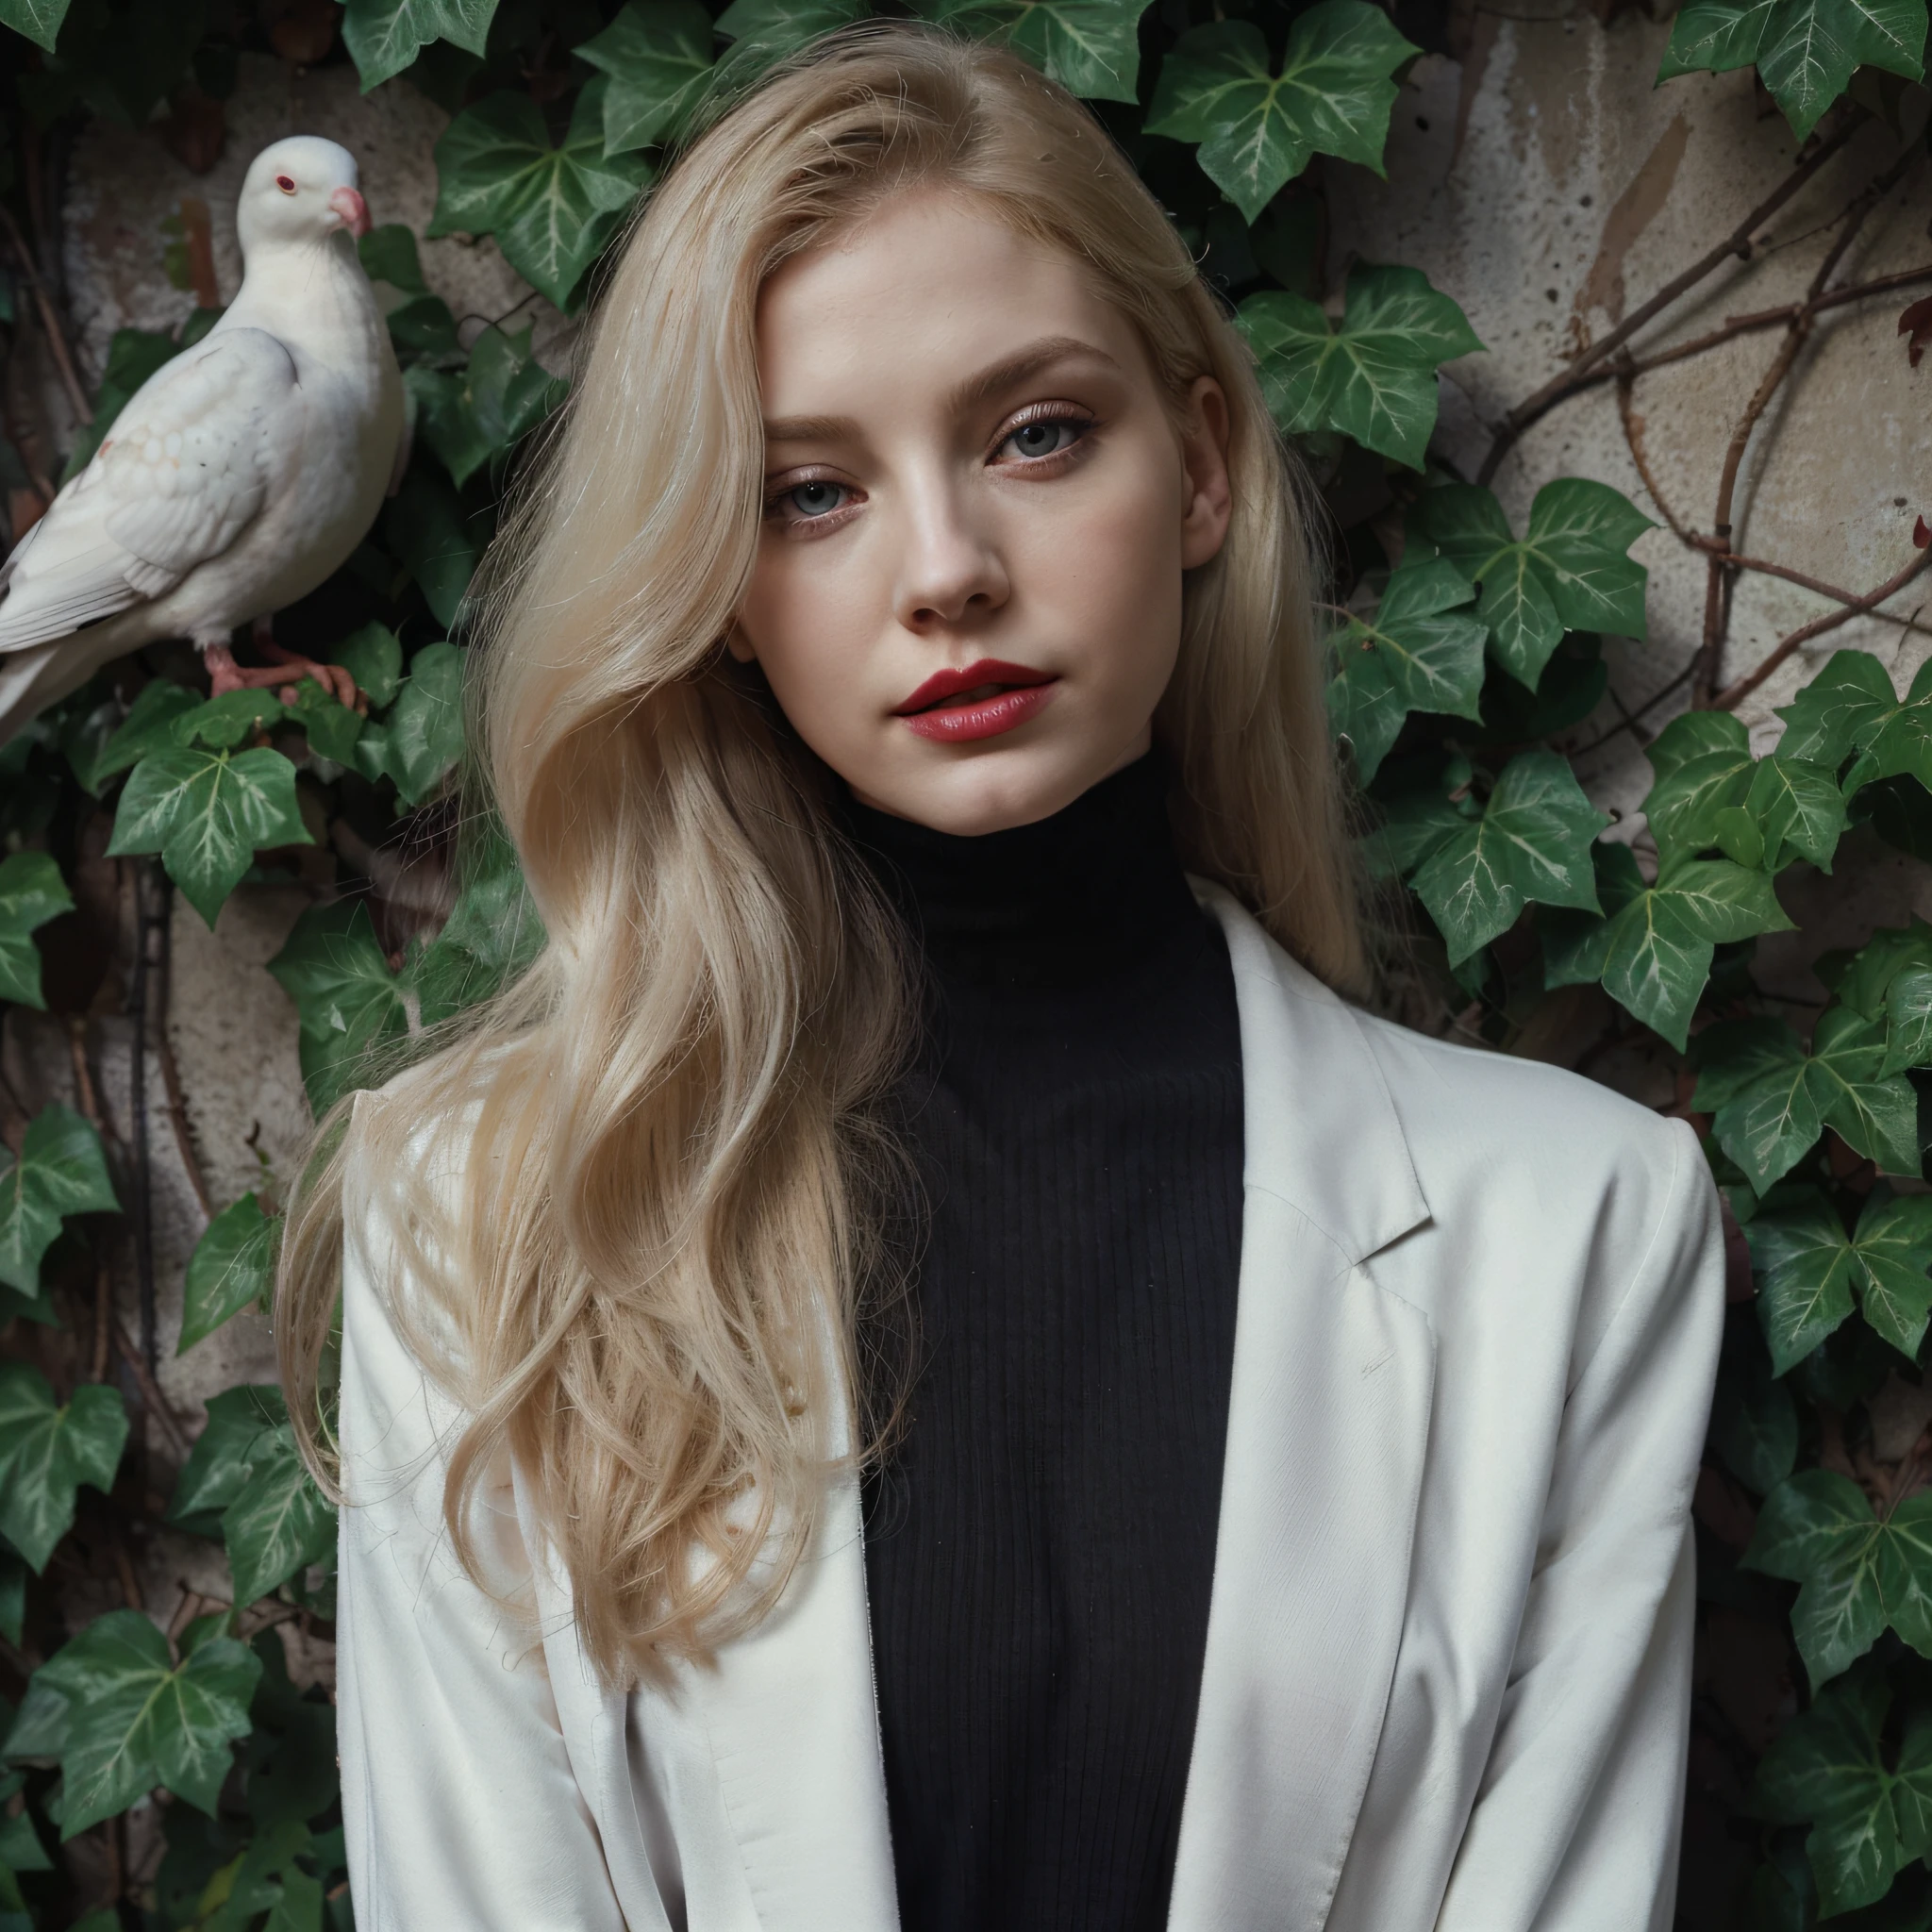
(353, 209)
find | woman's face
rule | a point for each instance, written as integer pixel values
(967, 597)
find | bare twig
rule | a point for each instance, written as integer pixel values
(1733, 695)
(171, 1074)
(1633, 438)
(1632, 718)
(1736, 242)
(150, 1389)
(56, 338)
(1797, 332)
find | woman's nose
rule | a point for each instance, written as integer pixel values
(952, 569)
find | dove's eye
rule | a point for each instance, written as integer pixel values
(285, 183)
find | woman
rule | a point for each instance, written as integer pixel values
(903, 698)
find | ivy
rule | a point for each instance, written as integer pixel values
(550, 208)
(1091, 47)
(31, 893)
(1257, 128)
(232, 1268)
(59, 1171)
(384, 37)
(1810, 1266)
(48, 1449)
(1373, 376)
(657, 54)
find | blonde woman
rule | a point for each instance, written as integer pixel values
(926, 1367)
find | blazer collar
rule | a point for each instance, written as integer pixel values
(1321, 1128)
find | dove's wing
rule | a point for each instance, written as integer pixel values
(184, 472)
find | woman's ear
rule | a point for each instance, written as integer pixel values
(740, 646)
(1204, 457)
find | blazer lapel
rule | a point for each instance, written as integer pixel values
(1327, 1424)
(794, 1734)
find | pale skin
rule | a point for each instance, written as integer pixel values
(969, 458)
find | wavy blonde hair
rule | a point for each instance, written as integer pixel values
(665, 1178)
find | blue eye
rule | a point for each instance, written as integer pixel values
(1046, 436)
(811, 500)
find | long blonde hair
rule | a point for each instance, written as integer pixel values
(663, 1177)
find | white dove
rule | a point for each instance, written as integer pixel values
(238, 475)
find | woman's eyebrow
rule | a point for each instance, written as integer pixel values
(988, 382)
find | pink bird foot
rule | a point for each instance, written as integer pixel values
(225, 676)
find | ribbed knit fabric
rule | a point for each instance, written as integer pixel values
(1040, 1547)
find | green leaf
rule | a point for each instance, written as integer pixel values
(1798, 805)
(1373, 376)
(1866, 983)
(426, 723)
(1684, 810)
(233, 1265)
(1532, 844)
(149, 726)
(1256, 130)
(31, 893)
(384, 37)
(60, 1171)
(1569, 570)
(388, 254)
(1909, 1020)
(1419, 653)
(1810, 1267)
(431, 533)
(551, 209)
(1693, 734)
(1091, 47)
(207, 813)
(280, 1523)
(1841, 709)
(1773, 1120)
(1805, 51)
(46, 1452)
(473, 417)
(230, 720)
(374, 658)
(657, 54)
(216, 1472)
(491, 934)
(331, 727)
(38, 20)
(347, 1001)
(1754, 1425)
(767, 31)
(1826, 1769)
(133, 1721)
(1653, 949)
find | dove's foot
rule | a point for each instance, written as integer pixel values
(225, 674)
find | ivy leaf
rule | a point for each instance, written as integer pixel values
(436, 539)
(1825, 1769)
(133, 1721)
(767, 31)
(1909, 1020)
(60, 1171)
(1091, 47)
(149, 726)
(1771, 1123)
(231, 720)
(657, 54)
(1795, 803)
(1653, 950)
(374, 658)
(331, 726)
(347, 1001)
(1531, 844)
(1419, 653)
(233, 1265)
(1684, 808)
(217, 1468)
(1692, 734)
(388, 254)
(1754, 1426)
(1810, 1267)
(472, 417)
(1256, 130)
(1373, 376)
(1858, 1574)
(384, 37)
(207, 813)
(1569, 570)
(491, 934)
(38, 20)
(31, 893)
(280, 1523)
(1839, 709)
(1805, 51)
(46, 1452)
(551, 209)
(425, 725)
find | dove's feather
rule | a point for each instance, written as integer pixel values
(183, 473)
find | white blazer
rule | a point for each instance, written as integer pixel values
(1448, 1656)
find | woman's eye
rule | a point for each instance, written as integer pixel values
(807, 502)
(1045, 438)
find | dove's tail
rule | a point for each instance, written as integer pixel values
(32, 679)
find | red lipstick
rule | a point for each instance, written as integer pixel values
(978, 701)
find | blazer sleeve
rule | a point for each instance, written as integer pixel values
(458, 1800)
(1576, 1821)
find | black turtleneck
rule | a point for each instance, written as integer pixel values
(1040, 1546)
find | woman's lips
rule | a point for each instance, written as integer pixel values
(978, 701)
